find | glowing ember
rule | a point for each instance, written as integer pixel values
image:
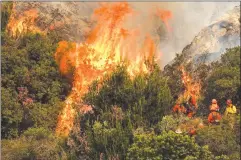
(107, 45)
(22, 23)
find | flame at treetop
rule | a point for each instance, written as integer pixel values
(192, 88)
(22, 23)
(107, 46)
(165, 16)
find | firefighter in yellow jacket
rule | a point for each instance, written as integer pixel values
(230, 112)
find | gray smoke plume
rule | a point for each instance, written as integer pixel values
(187, 21)
(189, 18)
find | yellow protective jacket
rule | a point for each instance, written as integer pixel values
(230, 110)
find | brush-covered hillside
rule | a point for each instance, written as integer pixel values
(120, 115)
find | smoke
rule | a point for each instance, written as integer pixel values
(188, 19)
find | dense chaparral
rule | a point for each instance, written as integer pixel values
(106, 97)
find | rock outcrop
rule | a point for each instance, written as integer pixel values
(213, 40)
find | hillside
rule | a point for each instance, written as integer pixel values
(77, 83)
(53, 16)
(213, 40)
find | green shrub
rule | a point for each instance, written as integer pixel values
(32, 86)
(170, 122)
(35, 143)
(166, 146)
(224, 81)
(221, 139)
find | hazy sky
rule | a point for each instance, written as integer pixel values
(188, 20)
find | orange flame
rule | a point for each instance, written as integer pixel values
(107, 45)
(22, 23)
(165, 16)
(192, 88)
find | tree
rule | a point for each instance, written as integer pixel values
(109, 142)
(32, 86)
(12, 114)
(120, 104)
(224, 81)
(6, 9)
(158, 97)
(146, 96)
(173, 74)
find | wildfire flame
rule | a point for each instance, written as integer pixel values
(192, 88)
(107, 45)
(22, 23)
(165, 16)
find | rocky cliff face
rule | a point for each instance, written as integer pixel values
(213, 40)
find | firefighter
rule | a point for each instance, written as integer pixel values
(214, 117)
(230, 112)
(214, 106)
